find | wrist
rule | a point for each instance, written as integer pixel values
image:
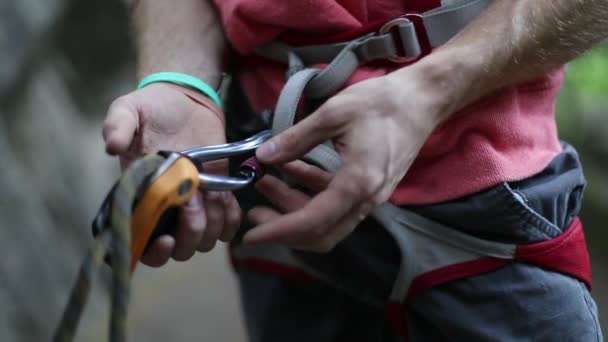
(445, 82)
(183, 80)
(213, 79)
(196, 97)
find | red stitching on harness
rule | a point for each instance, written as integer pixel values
(452, 272)
(566, 253)
(276, 268)
(395, 311)
(395, 315)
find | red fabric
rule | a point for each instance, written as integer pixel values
(505, 137)
(276, 268)
(298, 38)
(419, 6)
(395, 315)
(566, 254)
(462, 270)
(395, 311)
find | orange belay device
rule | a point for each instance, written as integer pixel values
(142, 206)
(174, 182)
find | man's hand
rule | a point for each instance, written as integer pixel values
(378, 126)
(286, 199)
(166, 116)
(378, 130)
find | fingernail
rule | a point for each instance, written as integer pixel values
(267, 150)
(250, 238)
(195, 201)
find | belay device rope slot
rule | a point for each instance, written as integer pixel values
(142, 206)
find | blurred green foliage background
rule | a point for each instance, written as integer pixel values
(582, 120)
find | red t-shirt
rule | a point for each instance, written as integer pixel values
(508, 136)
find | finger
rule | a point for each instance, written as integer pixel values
(259, 215)
(214, 209)
(334, 235)
(280, 194)
(216, 167)
(308, 175)
(120, 125)
(192, 222)
(232, 218)
(159, 252)
(312, 221)
(294, 142)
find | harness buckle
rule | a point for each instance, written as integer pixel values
(392, 27)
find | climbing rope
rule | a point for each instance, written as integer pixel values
(112, 241)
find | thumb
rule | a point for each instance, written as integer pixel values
(120, 125)
(296, 141)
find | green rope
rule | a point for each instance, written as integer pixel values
(114, 240)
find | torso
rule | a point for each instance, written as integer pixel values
(510, 136)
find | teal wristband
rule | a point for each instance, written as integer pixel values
(183, 80)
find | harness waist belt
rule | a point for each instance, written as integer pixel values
(403, 39)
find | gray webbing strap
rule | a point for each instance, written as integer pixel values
(315, 83)
(344, 58)
(427, 245)
(441, 25)
(444, 22)
(285, 113)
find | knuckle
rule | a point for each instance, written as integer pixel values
(332, 119)
(382, 196)
(324, 246)
(193, 220)
(227, 237)
(215, 197)
(120, 102)
(195, 224)
(288, 139)
(317, 233)
(183, 255)
(311, 171)
(375, 202)
(364, 182)
(374, 181)
(207, 246)
(234, 218)
(214, 214)
(350, 188)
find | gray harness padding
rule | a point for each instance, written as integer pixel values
(424, 244)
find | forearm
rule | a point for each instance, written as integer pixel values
(180, 36)
(511, 42)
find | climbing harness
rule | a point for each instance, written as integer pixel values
(404, 39)
(431, 253)
(141, 206)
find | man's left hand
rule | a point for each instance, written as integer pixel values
(378, 127)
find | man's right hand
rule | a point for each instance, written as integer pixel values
(169, 117)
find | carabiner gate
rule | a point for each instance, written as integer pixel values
(249, 171)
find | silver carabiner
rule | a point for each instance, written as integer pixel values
(249, 171)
